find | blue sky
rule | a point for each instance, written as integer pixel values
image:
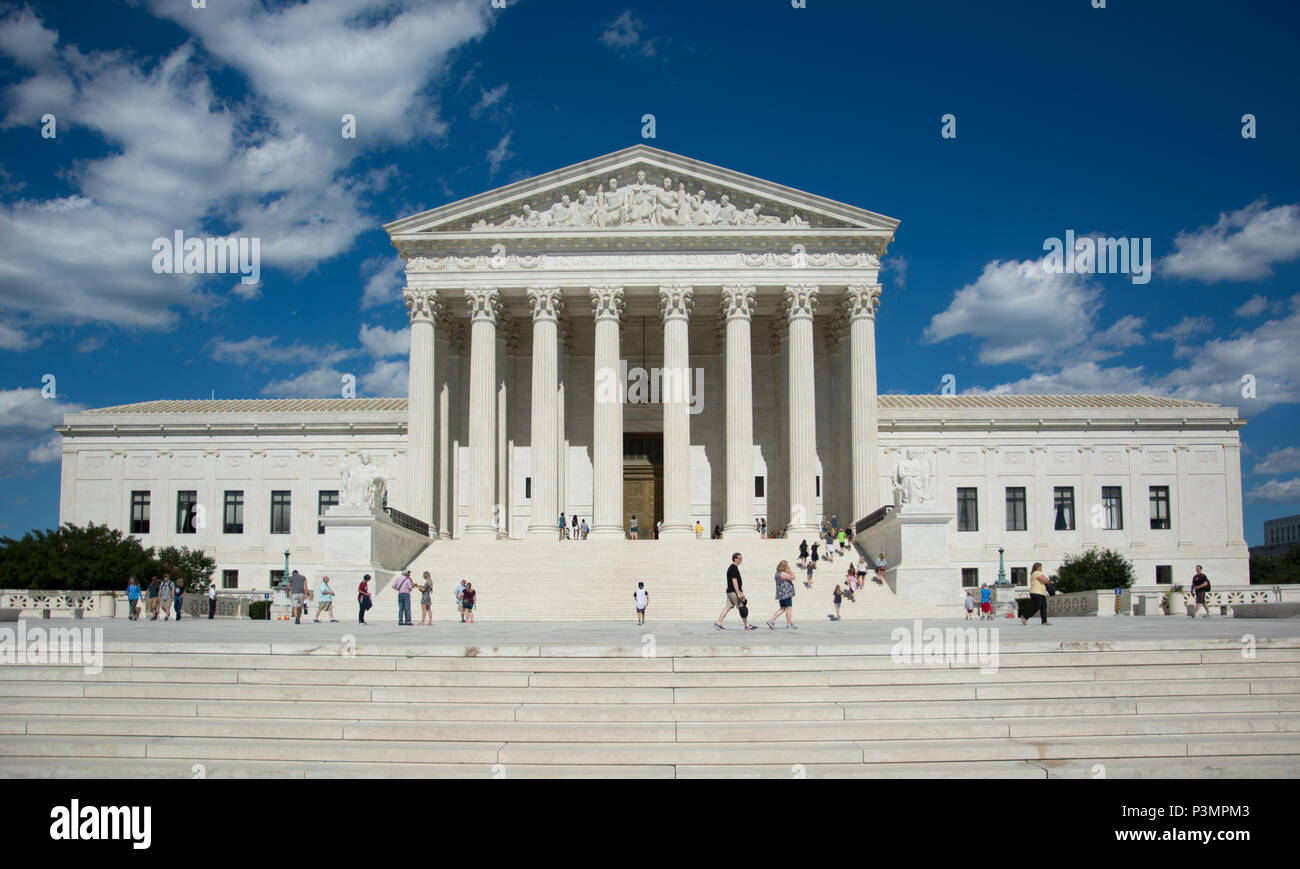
(1123, 121)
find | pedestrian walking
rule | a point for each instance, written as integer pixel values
(815, 556)
(155, 589)
(837, 597)
(564, 527)
(212, 600)
(586, 529)
(364, 601)
(784, 597)
(426, 600)
(1200, 587)
(880, 568)
(575, 526)
(969, 603)
(459, 595)
(803, 552)
(735, 594)
(133, 599)
(180, 598)
(403, 587)
(642, 598)
(851, 583)
(986, 601)
(1037, 594)
(298, 595)
(325, 599)
(762, 528)
(166, 594)
(633, 528)
(468, 600)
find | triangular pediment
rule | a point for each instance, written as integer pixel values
(637, 190)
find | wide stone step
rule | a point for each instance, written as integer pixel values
(400, 768)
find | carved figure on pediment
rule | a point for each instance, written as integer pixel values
(584, 210)
(702, 210)
(727, 214)
(640, 204)
(612, 211)
(558, 214)
(666, 204)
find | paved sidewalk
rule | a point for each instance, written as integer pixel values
(1166, 631)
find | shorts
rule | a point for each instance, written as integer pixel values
(297, 599)
(861, 573)
(784, 602)
(733, 598)
(986, 607)
(640, 609)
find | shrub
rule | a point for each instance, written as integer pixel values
(260, 609)
(1094, 570)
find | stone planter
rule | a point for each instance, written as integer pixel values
(1175, 605)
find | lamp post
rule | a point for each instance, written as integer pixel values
(1002, 567)
(286, 566)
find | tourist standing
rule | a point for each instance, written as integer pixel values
(155, 588)
(1037, 594)
(212, 600)
(363, 599)
(659, 527)
(758, 526)
(986, 601)
(762, 528)
(467, 601)
(575, 526)
(699, 530)
(564, 526)
(1200, 585)
(851, 580)
(784, 596)
(298, 595)
(816, 544)
(586, 529)
(803, 552)
(132, 599)
(325, 599)
(460, 595)
(735, 594)
(970, 605)
(166, 594)
(837, 597)
(403, 587)
(642, 598)
(633, 528)
(180, 598)
(880, 568)
(426, 600)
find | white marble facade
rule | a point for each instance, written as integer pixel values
(521, 297)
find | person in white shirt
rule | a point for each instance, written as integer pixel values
(642, 598)
(212, 600)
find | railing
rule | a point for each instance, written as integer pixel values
(410, 523)
(873, 518)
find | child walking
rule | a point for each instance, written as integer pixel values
(970, 605)
(642, 598)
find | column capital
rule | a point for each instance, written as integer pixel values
(607, 303)
(484, 304)
(801, 301)
(546, 303)
(676, 302)
(738, 301)
(422, 306)
(861, 300)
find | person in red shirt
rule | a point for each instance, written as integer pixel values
(467, 602)
(363, 598)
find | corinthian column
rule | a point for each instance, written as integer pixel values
(544, 449)
(737, 311)
(860, 303)
(800, 303)
(607, 416)
(675, 304)
(442, 352)
(422, 308)
(484, 307)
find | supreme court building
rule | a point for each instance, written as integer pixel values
(647, 335)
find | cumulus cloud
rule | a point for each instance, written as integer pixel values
(624, 34)
(1254, 306)
(383, 276)
(490, 100)
(499, 154)
(388, 379)
(26, 436)
(1186, 327)
(896, 265)
(1273, 490)
(1241, 246)
(1285, 460)
(14, 338)
(380, 342)
(259, 350)
(181, 156)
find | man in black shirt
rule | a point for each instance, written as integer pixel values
(735, 594)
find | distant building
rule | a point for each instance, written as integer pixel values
(1279, 536)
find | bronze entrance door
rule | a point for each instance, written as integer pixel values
(643, 482)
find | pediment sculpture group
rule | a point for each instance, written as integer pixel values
(641, 204)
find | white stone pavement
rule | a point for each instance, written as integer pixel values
(815, 632)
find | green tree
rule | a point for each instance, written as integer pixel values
(1094, 570)
(194, 566)
(1276, 569)
(94, 558)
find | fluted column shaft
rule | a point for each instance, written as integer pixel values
(545, 303)
(860, 304)
(800, 303)
(422, 308)
(738, 310)
(675, 304)
(442, 367)
(484, 305)
(607, 416)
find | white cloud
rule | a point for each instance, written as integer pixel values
(624, 34)
(1186, 327)
(1124, 332)
(499, 154)
(1256, 305)
(896, 265)
(50, 451)
(380, 342)
(1242, 246)
(260, 350)
(1273, 490)
(488, 100)
(247, 292)
(1285, 460)
(388, 379)
(181, 156)
(13, 338)
(317, 383)
(26, 437)
(1083, 377)
(383, 281)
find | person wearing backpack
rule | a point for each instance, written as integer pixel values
(1200, 586)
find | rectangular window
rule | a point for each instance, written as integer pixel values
(280, 511)
(1164, 574)
(1063, 498)
(325, 500)
(1112, 502)
(528, 487)
(139, 512)
(1160, 508)
(230, 579)
(758, 487)
(1016, 508)
(970, 577)
(277, 578)
(819, 486)
(968, 509)
(232, 512)
(186, 499)
(1020, 576)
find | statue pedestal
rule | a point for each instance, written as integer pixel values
(914, 539)
(360, 541)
